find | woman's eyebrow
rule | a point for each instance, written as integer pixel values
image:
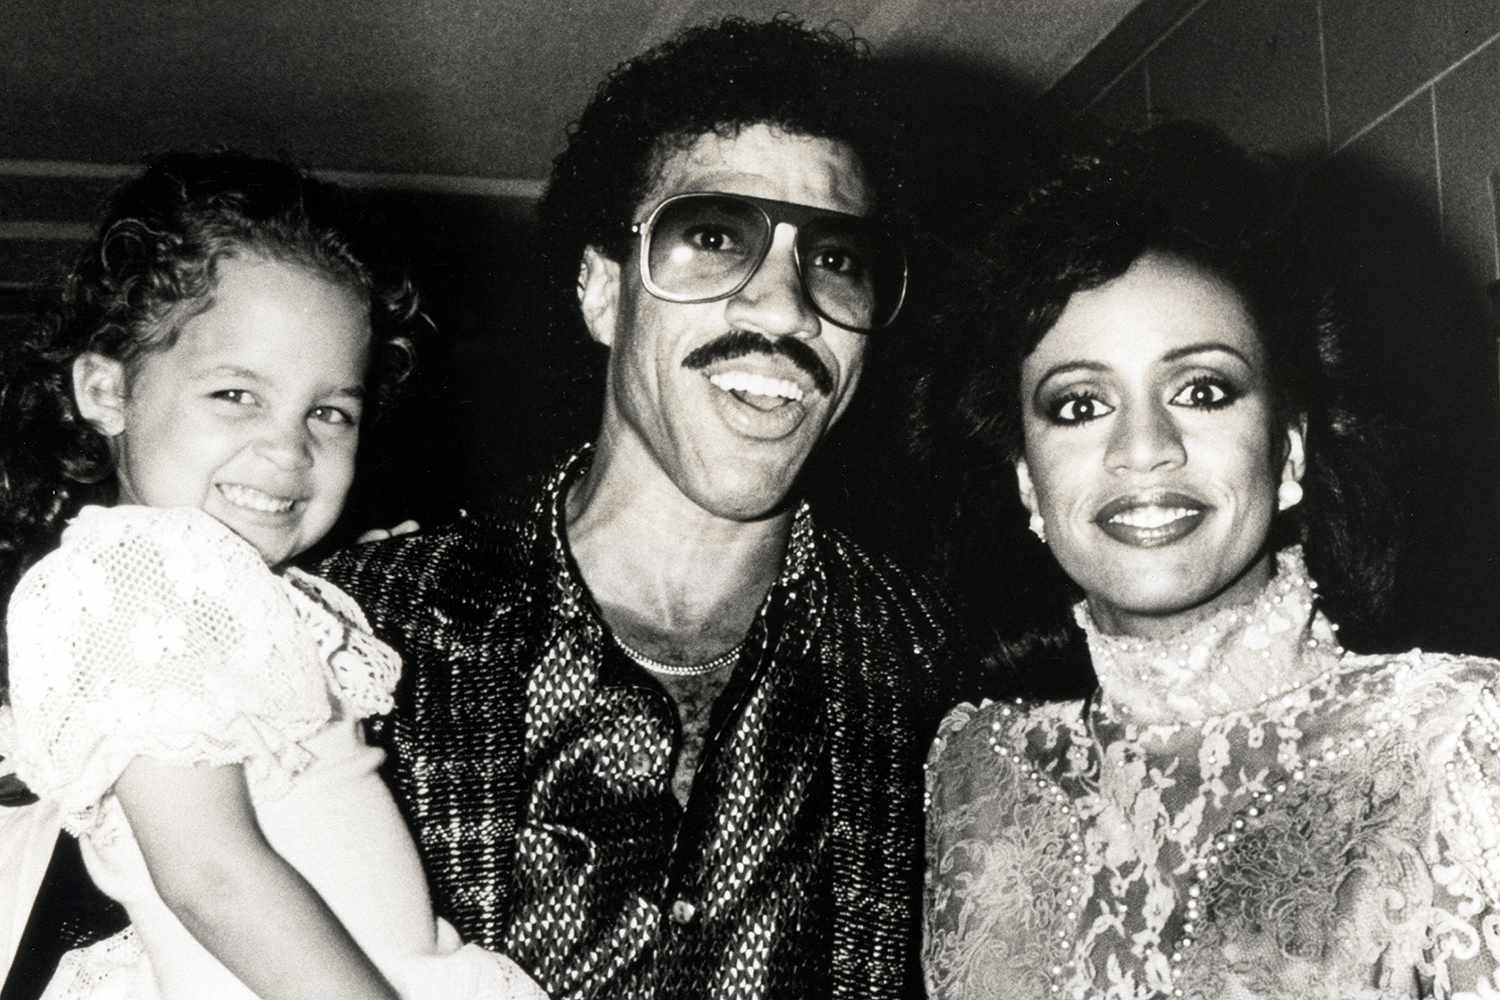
(1064, 367)
(1204, 347)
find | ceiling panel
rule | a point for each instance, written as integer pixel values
(471, 88)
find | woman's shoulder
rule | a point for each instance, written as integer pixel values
(981, 774)
(1421, 680)
(1441, 711)
(1430, 699)
(971, 729)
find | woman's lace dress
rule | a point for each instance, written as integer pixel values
(1243, 811)
(159, 633)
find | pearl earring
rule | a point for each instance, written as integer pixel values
(1038, 528)
(1288, 494)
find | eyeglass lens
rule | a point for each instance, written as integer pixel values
(703, 247)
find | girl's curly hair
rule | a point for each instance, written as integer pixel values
(152, 267)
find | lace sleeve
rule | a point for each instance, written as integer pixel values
(1465, 953)
(155, 633)
(991, 835)
(363, 669)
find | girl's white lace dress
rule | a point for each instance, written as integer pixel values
(1243, 811)
(158, 632)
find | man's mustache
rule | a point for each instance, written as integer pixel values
(743, 343)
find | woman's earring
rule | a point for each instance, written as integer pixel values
(1039, 528)
(1288, 494)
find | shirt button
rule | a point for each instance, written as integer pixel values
(683, 912)
(640, 764)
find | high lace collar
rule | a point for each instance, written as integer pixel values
(1231, 661)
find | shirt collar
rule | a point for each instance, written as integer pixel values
(798, 566)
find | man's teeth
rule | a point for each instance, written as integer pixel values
(254, 499)
(759, 385)
(1151, 517)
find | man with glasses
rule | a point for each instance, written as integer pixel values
(662, 732)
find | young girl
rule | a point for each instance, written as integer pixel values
(189, 702)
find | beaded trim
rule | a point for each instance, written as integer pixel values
(1474, 813)
(1237, 660)
(1236, 824)
(719, 662)
(1074, 895)
(1243, 818)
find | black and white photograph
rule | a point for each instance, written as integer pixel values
(749, 499)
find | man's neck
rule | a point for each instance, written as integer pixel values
(673, 580)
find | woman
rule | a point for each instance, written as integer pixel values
(1238, 807)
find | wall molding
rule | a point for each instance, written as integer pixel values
(43, 231)
(516, 188)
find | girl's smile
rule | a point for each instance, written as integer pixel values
(251, 498)
(252, 414)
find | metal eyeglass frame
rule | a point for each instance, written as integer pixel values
(773, 212)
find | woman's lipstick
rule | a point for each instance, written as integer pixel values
(1147, 520)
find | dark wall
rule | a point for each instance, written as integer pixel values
(498, 392)
(1394, 104)
(470, 421)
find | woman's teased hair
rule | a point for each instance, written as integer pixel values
(152, 267)
(1181, 190)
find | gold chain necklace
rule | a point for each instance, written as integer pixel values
(724, 659)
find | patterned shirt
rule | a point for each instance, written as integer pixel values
(534, 762)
